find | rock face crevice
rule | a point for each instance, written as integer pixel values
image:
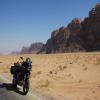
(78, 36)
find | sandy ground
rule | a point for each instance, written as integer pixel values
(71, 76)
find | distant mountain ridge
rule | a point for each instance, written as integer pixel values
(34, 48)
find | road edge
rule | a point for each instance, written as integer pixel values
(31, 93)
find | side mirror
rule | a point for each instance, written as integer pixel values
(21, 58)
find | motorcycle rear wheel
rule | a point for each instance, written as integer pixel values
(14, 83)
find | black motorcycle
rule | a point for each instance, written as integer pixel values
(21, 76)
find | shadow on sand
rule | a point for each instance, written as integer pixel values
(9, 87)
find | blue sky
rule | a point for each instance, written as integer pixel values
(25, 21)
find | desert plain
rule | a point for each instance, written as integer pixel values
(67, 76)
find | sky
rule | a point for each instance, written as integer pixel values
(23, 22)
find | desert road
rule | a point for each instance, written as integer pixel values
(8, 93)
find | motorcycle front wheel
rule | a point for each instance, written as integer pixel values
(26, 87)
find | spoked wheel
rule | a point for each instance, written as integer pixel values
(26, 86)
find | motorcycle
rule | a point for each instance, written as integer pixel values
(21, 77)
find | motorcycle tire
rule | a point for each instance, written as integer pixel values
(14, 84)
(26, 87)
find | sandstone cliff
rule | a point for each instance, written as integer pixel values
(33, 49)
(78, 36)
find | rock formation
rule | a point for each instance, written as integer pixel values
(91, 30)
(77, 36)
(33, 49)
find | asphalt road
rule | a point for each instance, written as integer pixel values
(8, 93)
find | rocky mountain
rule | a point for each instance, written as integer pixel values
(33, 49)
(78, 36)
(91, 30)
(15, 52)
